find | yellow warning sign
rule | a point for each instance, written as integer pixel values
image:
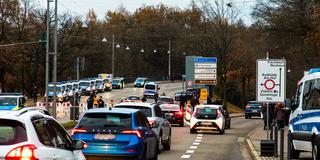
(203, 94)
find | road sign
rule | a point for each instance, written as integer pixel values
(205, 70)
(203, 94)
(271, 80)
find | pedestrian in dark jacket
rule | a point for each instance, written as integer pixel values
(100, 102)
(280, 115)
(90, 102)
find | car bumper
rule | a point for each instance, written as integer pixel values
(214, 125)
(176, 120)
(100, 150)
(258, 114)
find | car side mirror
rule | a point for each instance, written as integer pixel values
(167, 116)
(79, 145)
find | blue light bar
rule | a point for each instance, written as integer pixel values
(314, 70)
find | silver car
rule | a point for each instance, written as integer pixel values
(156, 119)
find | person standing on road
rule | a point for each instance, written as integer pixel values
(90, 102)
(100, 102)
(95, 101)
(279, 114)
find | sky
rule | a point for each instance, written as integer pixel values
(81, 7)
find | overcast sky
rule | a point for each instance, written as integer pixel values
(81, 7)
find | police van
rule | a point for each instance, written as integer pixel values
(304, 121)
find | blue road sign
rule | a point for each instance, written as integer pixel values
(205, 60)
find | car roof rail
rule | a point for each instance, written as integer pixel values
(30, 109)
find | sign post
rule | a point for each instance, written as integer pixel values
(205, 70)
(271, 82)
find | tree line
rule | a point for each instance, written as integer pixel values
(286, 29)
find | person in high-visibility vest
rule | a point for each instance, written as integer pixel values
(95, 102)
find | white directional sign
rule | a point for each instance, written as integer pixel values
(205, 70)
(271, 80)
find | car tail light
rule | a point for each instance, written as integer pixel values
(180, 113)
(248, 107)
(78, 130)
(136, 132)
(25, 152)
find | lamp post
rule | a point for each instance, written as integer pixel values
(169, 60)
(113, 58)
(47, 53)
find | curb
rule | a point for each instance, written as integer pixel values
(252, 151)
(236, 116)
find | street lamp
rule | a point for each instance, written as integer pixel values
(118, 46)
(105, 40)
(127, 48)
(154, 51)
(142, 50)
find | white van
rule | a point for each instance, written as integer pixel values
(304, 122)
(151, 90)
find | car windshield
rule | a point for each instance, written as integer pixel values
(146, 110)
(254, 104)
(11, 132)
(8, 101)
(106, 120)
(84, 85)
(165, 100)
(206, 113)
(75, 85)
(139, 80)
(51, 88)
(150, 86)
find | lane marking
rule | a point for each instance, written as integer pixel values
(240, 139)
(190, 151)
(193, 147)
(199, 137)
(198, 140)
(185, 156)
(196, 143)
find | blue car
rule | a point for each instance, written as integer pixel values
(117, 133)
(253, 108)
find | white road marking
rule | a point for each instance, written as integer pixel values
(195, 143)
(240, 139)
(190, 151)
(185, 156)
(198, 140)
(193, 147)
(199, 137)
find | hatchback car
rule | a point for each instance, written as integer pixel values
(140, 82)
(31, 134)
(122, 133)
(253, 108)
(207, 117)
(165, 100)
(173, 113)
(118, 83)
(156, 119)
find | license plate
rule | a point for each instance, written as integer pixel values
(104, 136)
(254, 110)
(206, 123)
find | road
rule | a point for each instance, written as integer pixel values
(201, 146)
(231, 145)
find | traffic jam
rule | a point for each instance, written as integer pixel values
(159, 80)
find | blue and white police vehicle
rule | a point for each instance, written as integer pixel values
(304, 121)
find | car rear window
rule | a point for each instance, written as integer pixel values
(254, 104)
(106, 120)
(146, 110)
(12, 132)
(166, 100)
(150, 86)
(170, 107)
(206, 113)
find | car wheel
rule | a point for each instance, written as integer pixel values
(229, 126)
(167, 144)
(192, 131)
(221, 131)
(294, 154)
(246, 117)
(160, 145)
(181, 124)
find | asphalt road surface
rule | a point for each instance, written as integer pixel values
(201, 146)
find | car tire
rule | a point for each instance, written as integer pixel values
(229, 126)
(181, 124)
(192, 131)
(315, 152)
(294, 154)
(246, 117)
(160, 144)
(167, 144)
(221, 131)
